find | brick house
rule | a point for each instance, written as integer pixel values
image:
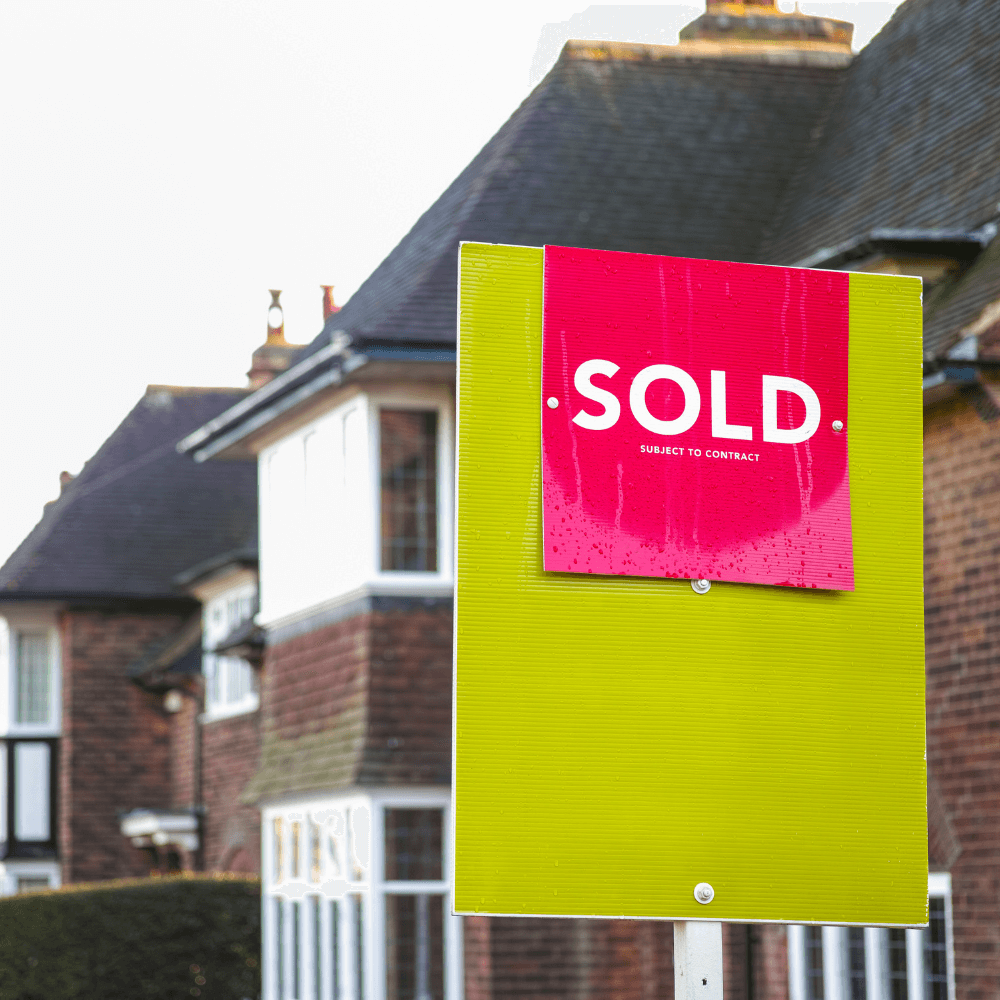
(758, 138)
(128, 700)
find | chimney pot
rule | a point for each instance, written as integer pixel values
(329, 306)
(275, 355)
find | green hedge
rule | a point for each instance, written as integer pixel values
(176, 937)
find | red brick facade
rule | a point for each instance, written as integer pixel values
(115, 751)
(962, 593)
(121, 750)
(230, 749)
(365, 700)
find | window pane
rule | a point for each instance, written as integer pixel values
(936, 953)
(857, 988)
(360, 831)
(296, 835)
(359, 947)
(814, 963)
(31, 790)
(413, 844)
(315, 858)
(32, 678)
(409, 490)
(335, 958)
(3, 791)
(296, 948)
(317, 931)
(278, 837)
(898, 986)
(279, 936)
(414, 940)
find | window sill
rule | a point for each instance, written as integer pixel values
(230, 711)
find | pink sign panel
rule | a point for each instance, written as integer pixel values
(694, 420)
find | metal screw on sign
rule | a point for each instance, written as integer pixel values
(552, 402)
(704, 893)
(701, 586)
(838, 425)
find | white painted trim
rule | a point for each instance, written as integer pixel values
(17, 622)
(876, 962)
(11, 871)
(836, 969)
(429, 397)
(390, 585)
(939, 884)
(373, 890)
(915, 963)
(834, 961)
(796, 962)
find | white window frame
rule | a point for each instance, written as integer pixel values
(836, 984)
(430, 399)
(11, 871)
(283, 890)
(322, 552)
(211, 661)
(9, 645)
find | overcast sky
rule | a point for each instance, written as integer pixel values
(164, 162)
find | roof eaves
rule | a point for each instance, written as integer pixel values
(281, 405)
(234, 415)
(243, 557)
(961, 243)
(349, 364)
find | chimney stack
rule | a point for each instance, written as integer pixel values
(329, 306)
(758, 29)
(275, 355)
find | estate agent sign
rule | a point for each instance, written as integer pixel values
(689, 637)
(689, 426)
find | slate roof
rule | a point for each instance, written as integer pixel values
(912, 142)
(139, 513)
(621, 147)
(651, 149)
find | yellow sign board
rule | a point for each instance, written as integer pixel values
(620, 740)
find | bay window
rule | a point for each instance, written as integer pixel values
(357, 900)
(875, 963)
(359, 502)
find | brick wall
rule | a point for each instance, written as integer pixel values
(962, 594)
(313, 709)
(770, 962)
(184, 750)
(364, 700)
(409, 702)
(534, 959)
(231, 830)
(115, 752)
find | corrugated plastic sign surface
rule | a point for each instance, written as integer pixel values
(694, 423)
(620, 739)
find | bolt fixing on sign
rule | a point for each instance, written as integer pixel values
(552, 402)
(704, 893)
(701, 586)
(838, 425)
